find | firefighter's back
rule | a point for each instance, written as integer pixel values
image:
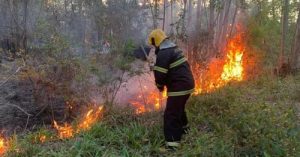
(179, 76)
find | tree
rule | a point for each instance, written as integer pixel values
(285, 18)
(296, 49)
(24, 42)
(212, 4)
(199, 12)
(189, 14)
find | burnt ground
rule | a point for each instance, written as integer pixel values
(18, 108)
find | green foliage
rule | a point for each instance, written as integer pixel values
(264, 28)
(51, 41)
(265, 37)
(122, 56)
(248, 121)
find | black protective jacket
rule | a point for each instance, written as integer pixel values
(173, 71)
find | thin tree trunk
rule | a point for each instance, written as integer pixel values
(198, 23)
(25, 25)
(211, 16)
(273, 10)
(164, 19)
(156, 13)
(224, 25)
(183, 25)
(172, 22)
(189, 19)
(15, 27)
(296, 48)
(211, 28)
(285, 14)
(153, 12)
(219, 25)
(206, 14)
(233, 20)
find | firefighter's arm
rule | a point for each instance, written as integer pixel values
(161, 69)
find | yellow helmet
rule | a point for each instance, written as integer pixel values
(156, 37)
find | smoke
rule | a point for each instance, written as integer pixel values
(142, 84)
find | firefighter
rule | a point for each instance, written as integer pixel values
(172, 71)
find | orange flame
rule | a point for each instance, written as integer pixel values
(3, 147)
(42, 138)
(233, 69)
(221, 71)
(67, 131)
(148, 102)
(90, 118)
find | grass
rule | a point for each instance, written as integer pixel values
(253, 118)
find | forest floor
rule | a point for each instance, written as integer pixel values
(18, 110)
(252, 118)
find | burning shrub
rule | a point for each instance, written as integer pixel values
(235, 65)
(221, 71)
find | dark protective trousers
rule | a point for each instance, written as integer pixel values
(175, 118)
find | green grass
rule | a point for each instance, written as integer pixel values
(254, 118)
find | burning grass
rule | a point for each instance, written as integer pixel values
(3, 146)
(64, 131)
(90, 118)
(42, 138)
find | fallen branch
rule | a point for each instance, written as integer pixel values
(1, 84)
(18, 107)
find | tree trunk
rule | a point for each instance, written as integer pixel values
(183, 25)
(164, 19)
(198, 21)
(296, 49)
(211, 16)
(219, 25)
(25, 25)
(273, 10)
(189, 19)
(172, 22)
(224, 26)
(156, 13)
(233, 20)
(285, 16)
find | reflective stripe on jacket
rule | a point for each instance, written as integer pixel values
(173, 71)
